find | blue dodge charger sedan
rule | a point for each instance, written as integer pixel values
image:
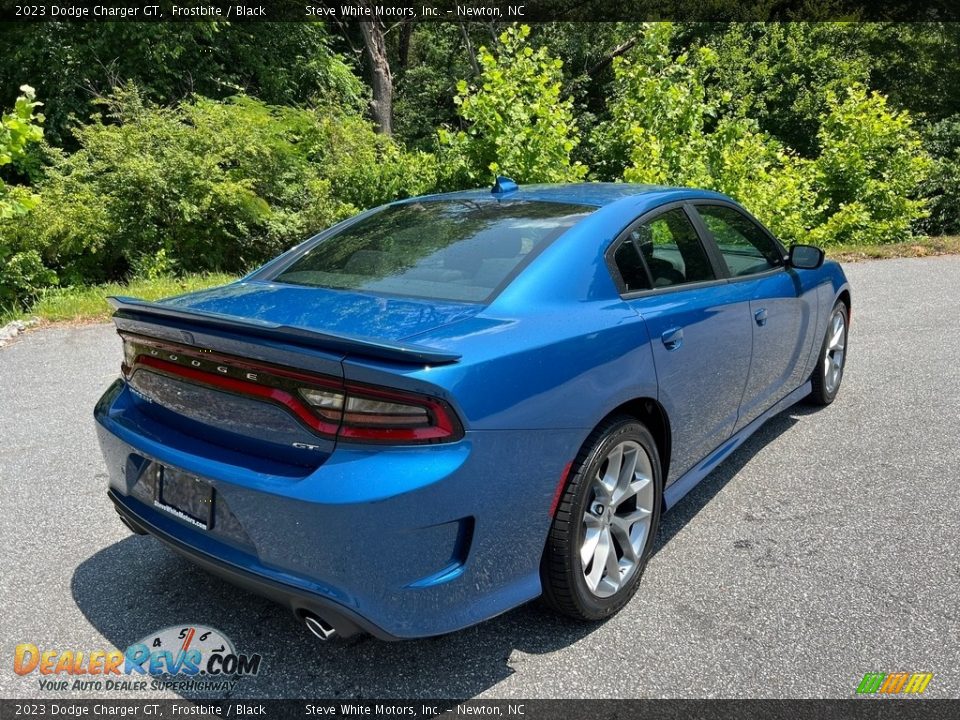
(445, 407)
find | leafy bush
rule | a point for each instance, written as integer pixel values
(869, 170)
(22, 276)
(666, 127)
(942, 139)
(19, 129)
(664, 130)
(365, 168)
(772, 181)
(207, 185)
(22, 272)
(517, 123)
(657, 112)
(778, 74)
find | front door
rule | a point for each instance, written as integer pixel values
(782, 312)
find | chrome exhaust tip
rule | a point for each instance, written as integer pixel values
(319, 627)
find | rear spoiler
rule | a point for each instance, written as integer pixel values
(128, 308)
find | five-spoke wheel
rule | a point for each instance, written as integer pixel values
(605, 523)
(617, 519)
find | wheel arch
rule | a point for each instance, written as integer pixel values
(652, 414)
(844, 297)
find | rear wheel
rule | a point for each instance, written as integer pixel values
(828, 373)
(606, 520)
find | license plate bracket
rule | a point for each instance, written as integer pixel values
(185, 496)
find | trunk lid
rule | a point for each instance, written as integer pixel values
(334, 312)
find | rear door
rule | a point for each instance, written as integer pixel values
(699, 323)
(782, 311)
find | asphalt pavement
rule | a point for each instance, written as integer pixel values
(828, 546)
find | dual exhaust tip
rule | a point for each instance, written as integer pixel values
(318, 627)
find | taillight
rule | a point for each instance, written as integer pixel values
(129, 356)
(330, 407)
(379, 415)
(326, 403)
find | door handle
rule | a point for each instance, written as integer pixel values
(761, 317)
(672, 338)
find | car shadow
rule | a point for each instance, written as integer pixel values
(137, 586)
(694, 501)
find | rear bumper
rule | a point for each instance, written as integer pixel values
(345, 621)
(399, 542)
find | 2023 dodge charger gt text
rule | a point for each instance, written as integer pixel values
(442, 408)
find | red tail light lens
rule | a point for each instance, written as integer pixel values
(378, 415)
(362, 413)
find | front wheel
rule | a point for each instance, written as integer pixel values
(828, 373)
(606, 521)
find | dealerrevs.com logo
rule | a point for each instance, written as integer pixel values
(179, 658)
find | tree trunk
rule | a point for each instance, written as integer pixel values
(471, 55)
(608, 58)
(382, 79)
(403, 49)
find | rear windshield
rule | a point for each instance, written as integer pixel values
(445, 250)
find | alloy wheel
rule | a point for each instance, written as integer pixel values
(617, 519)
(833, 357)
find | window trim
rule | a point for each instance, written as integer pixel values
(719, 269)
(618, 276)
(712, 241)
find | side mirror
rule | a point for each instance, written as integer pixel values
(806, 257)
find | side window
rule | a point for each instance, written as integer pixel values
(672, 250)
(746, 248)
(631, 267)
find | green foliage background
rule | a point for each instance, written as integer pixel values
(206, 147)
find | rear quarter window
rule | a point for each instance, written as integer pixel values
(446, 250)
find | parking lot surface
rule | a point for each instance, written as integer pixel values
(828, 546)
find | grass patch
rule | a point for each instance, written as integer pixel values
(918, 247)
(89, 303)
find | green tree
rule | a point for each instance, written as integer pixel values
(778, 73)
(71, 64)
(22, 271)
(517, 121)
(658, 114)
(915, 65)
(667, 128)
(426, 82)
(869, 170)
(942, 188)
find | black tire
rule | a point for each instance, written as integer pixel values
(822, 393)
(564, 587)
